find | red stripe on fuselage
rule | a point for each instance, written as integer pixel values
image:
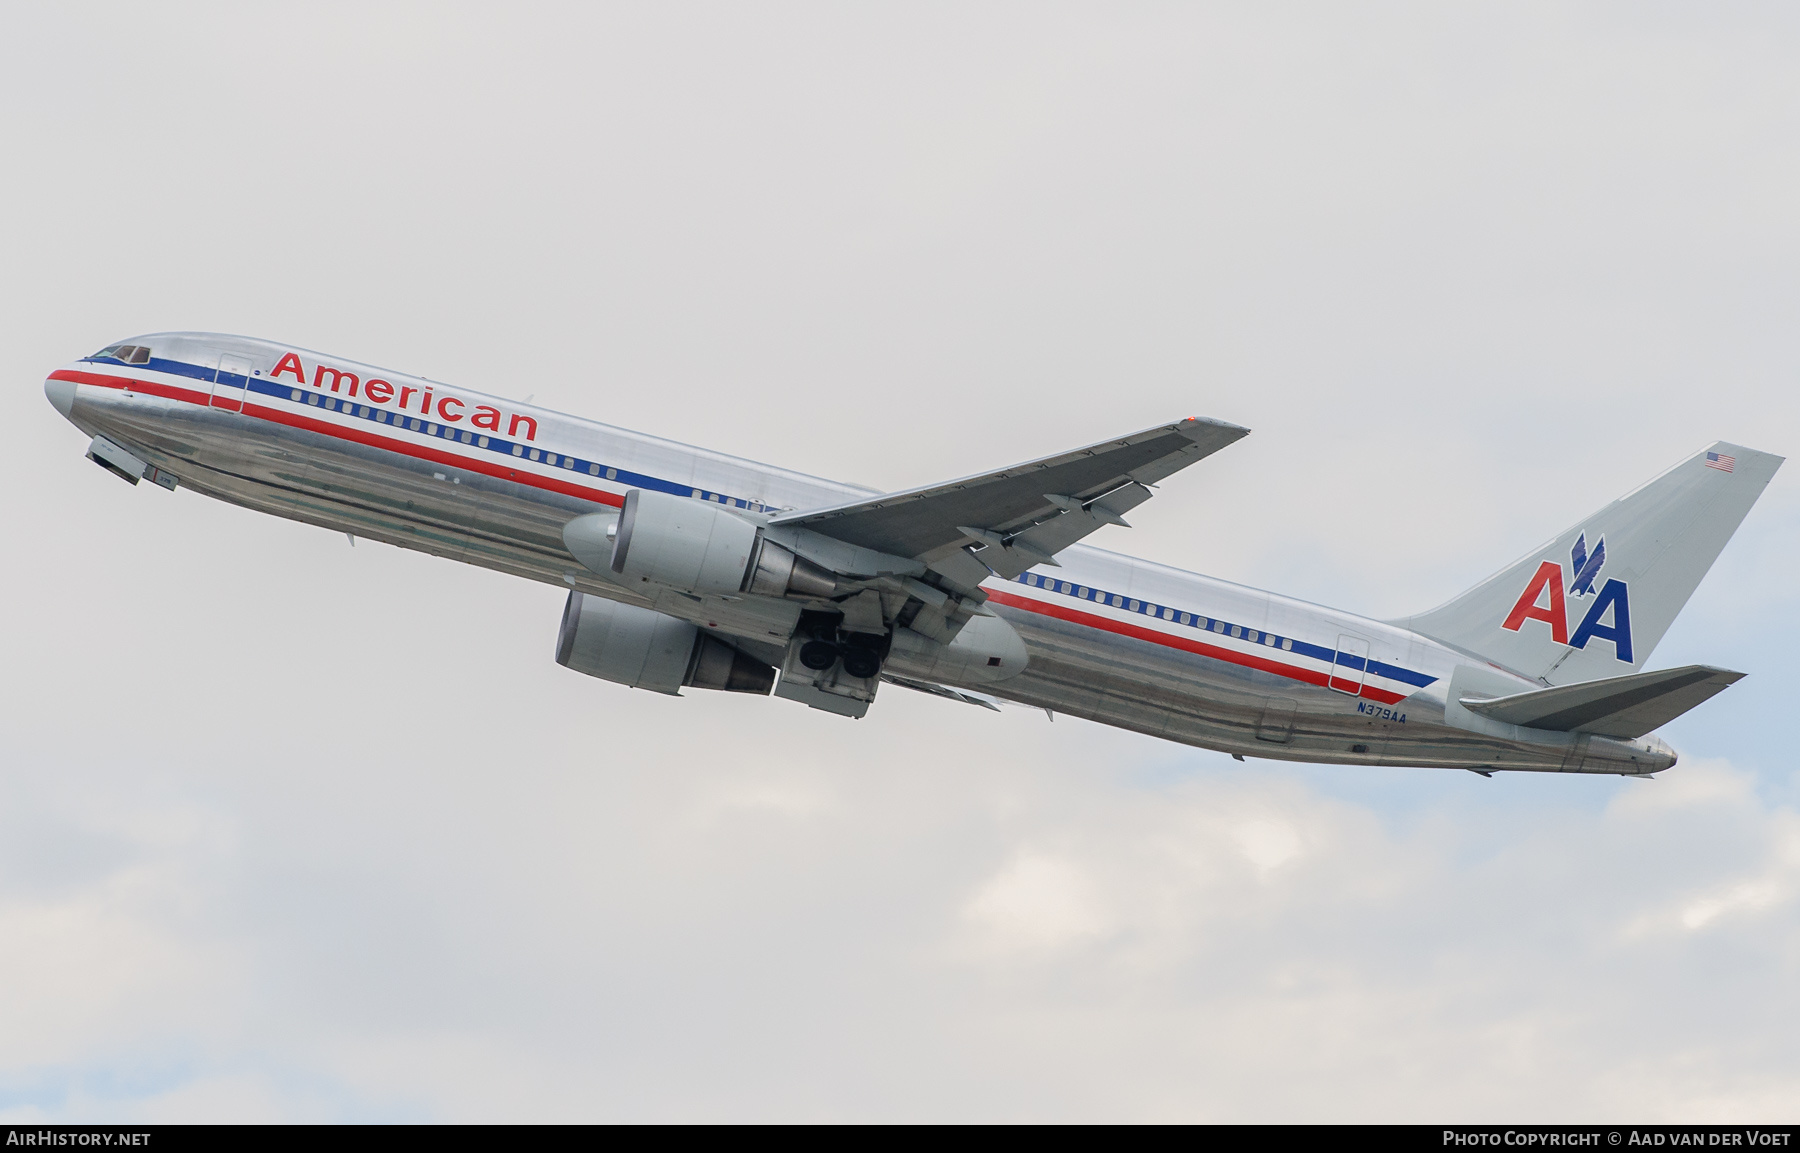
(601, 496)
(328, 428)
(1201, 648)
(151, 387)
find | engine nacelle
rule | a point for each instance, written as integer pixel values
(692, 545)
(681, 543)
(650, 650)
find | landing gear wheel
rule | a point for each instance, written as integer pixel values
(858, 662)
(818, 655)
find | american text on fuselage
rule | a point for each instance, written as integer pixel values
(692, 568)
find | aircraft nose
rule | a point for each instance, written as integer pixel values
(62, 395)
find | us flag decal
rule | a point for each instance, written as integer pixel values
(1722, 463)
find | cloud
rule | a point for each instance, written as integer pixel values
(1038, 901)
(1048, 941)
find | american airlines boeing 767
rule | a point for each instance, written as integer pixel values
(692, 569)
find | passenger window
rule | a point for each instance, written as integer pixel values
(534, 454)
(1287, 644)
(482, 443)
(593, 470)
(550, 458)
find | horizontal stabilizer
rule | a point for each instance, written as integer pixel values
(1623, 707)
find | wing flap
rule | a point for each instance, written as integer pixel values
(1625, 707)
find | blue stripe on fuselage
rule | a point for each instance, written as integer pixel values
(503, 447)
(496, 444)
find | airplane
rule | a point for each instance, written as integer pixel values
(688, 568)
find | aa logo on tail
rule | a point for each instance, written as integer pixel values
(1546, 586)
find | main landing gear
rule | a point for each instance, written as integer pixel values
(861, 653)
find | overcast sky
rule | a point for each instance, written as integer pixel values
(294, 830)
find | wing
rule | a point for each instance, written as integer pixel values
(944, 691)
(1021, 516)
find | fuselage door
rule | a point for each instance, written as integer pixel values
(1350, 665)
(231, 380)
(1277, 723)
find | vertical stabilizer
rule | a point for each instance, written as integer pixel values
(1595, 601)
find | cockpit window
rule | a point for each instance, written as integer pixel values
(126, 353)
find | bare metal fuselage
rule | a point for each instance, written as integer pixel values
(275, 446)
